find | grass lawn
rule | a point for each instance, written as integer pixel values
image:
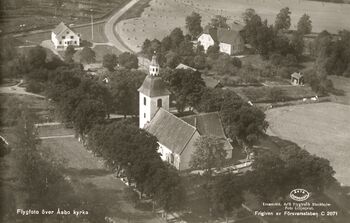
(322, 129)
(341, 83)
(103, 50)
(100, 51)
(71, 150)
(99, 34)
(262, 94)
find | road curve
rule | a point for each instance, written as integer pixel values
(111, 35)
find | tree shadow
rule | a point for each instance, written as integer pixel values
(86, 172)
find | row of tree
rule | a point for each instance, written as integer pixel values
(39, 178)
(133, 152)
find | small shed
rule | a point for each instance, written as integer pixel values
(297, 79)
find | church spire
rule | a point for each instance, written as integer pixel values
(154, 66)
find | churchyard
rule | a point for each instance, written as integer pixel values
(172, 13)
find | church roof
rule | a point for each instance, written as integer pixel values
(154, 61)
(209, 124)
(171, 131)
(153, 86)
(175, 133)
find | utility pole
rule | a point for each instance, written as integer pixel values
(92, 25)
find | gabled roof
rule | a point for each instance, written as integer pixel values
(211, 31)
(297, 75)
(153, 86)
(171, 131)
(210, 81)
(61, 28)
(184, 66)
(228, 36)
(209, 124)
(222, 35)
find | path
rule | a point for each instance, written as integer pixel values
(16, 89)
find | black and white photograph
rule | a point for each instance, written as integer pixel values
(175, 111)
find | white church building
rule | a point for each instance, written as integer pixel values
(176, 136)
(62, 37)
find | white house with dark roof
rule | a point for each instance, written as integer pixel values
(229, 40)
(62, 36)
(176, 136)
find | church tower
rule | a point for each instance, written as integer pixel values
(153, 94)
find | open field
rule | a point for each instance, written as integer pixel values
(43, 13)
(322, 129)
(162, 16)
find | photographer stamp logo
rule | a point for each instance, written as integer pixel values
(299, 194)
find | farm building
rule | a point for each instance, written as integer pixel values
(296, 79)
(209, 81)
(229, 40)
(176, 136)
(62, 36)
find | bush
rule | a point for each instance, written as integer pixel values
(35, 87)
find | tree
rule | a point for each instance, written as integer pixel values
(304, 25)
(176, 37)
(193, 24)
(87, 55)
(224, 65)
(264, 39)
(69, 53)
(297, 45)
(36, 57)
(219, 21)
(209, 154)
(128, 60)
(170, 193)
(187, 86)
(172, 59)
(283, 20)
(211, 100)
(248, 15)
(124, 84)
(242, 121)
(227, 195)
(109, 61)
(213, 51)
(88, 113)
(199, 61)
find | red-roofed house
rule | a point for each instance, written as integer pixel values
(62, 36)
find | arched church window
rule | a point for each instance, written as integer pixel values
(144, 100)
(159, 103)
(172, 158)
